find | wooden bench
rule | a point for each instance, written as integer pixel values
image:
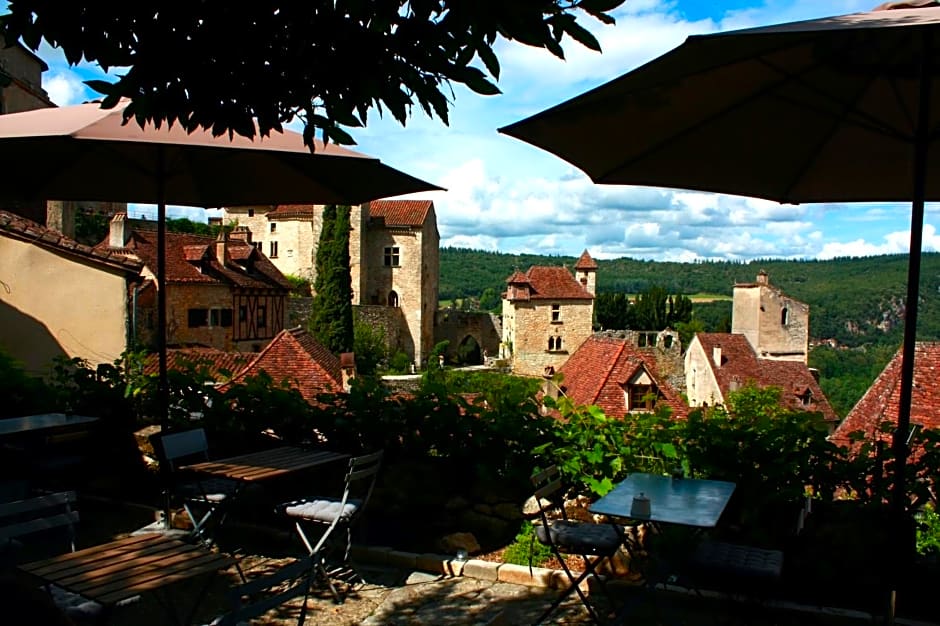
(34, 515)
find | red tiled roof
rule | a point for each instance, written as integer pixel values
(740, 365)
(296, 357)
(294, 211)
(597, 372)
(244, 266)
(880, 403)
(585, 262)
(400, 212)
(29, 231)
(555, 283)
(517, 277)
(220, 365)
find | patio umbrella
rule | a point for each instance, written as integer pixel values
(835, 109)
(85, 152)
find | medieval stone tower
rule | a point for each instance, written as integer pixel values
(775, 325)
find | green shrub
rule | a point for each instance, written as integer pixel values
(526, 549)
(928, 531)
(400, 363)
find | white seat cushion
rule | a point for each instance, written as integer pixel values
(324, 510)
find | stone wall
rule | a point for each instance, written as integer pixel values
(775, 325)
(453, 326)
(533, 327)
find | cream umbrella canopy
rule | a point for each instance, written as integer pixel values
(839, 109)
(85, 152)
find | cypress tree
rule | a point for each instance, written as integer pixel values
(331, 319)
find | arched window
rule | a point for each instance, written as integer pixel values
(392, 298)
(551, 343)
(784, 316)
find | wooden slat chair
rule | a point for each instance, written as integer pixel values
(255, 598)
(330, 515)
(210, 495)
(591, 541)
(29, 516)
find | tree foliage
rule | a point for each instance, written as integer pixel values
(331, 321)
(221, 65)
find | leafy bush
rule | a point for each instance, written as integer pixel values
(400, 363)
(928, 531)
(526, 549)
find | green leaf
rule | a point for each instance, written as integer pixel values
(477, 81)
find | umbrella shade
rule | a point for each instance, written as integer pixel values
(827, 110)
(85, 152)
(815, 111)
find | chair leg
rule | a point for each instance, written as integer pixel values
(589, 570)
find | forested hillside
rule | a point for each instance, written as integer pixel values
(856, 301)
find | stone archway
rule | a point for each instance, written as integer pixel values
(469, 352)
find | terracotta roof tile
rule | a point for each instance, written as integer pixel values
(400, 212)
(294, 211)
(31, 232)
(517, 277)
(740, 365)
(597, 371)
(219, 364)
(585, 262)
(297, 357)
(244, 266)
(880, 403)
(555, 283)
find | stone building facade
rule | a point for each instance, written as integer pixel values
(547, 314)
(776, 325)
(393, 251)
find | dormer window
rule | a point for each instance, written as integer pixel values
(640, 392)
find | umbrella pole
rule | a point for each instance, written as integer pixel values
(162, 385)
(902, 432)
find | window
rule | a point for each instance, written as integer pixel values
(262, 317)
(259, 246)
(197, 318)
(273, 249)
(273, 227)
(642, 397)
(554, 343)
(556, 314)
(392, 298)
(784, 316)
(392, 256)
(220, 317)
(251, 212)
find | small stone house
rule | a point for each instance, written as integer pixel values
(221, 293)
(620, 377)
(547, 314)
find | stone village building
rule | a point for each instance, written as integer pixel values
(768, 346)
(394, 251)
(221, 292)
(547, 314)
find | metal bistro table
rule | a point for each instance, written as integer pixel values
(122, 569)
(687, 502)
(684, 501)
(44, 421)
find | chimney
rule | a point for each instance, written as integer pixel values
(118, 233)
(347, 366)
(240, 233)
(716, 356)
(220, 243)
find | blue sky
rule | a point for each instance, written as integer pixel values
(503, 194)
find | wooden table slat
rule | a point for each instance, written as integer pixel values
(128, 567)
(266, 463)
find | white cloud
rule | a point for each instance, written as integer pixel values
(64, 88)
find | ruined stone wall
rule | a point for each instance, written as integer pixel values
(453, 326)
(758, 314)
(391, 321)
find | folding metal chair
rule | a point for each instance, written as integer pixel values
(329, 515)
(565, 536)
(210, 495)
(254, 598)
